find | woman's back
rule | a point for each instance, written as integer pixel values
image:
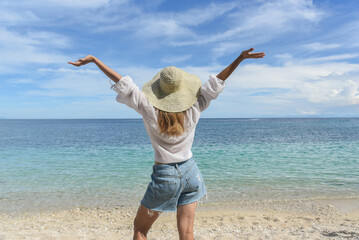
(168, 149)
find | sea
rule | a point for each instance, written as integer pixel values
(69, 163)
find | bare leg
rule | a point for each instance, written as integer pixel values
(185, 220)
(143, 222)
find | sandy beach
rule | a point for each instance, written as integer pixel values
(294, 219)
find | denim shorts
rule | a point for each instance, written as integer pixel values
(172, 185)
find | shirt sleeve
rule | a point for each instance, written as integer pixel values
(210, 91)
(130, 95)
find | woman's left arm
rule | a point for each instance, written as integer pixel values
(114, 76)
(244, 55)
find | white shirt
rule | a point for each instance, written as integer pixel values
(168, 149)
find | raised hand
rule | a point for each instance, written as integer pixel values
(244, 55)
(247, 54)
(83, 61)
(114, 76)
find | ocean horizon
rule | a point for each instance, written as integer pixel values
(66, 163)
(139, 118)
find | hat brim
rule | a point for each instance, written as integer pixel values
(177, 101)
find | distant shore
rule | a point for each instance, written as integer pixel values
(291, 219)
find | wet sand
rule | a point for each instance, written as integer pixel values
(294, 219)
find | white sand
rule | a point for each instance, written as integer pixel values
(305, 219)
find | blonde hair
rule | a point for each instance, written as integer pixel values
(171, 124)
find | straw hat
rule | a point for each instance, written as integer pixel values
(172, 90)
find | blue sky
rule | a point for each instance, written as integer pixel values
(311, 68)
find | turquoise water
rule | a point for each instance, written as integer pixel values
(68, 163)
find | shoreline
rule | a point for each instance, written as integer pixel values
(15, 207)
(269, 219)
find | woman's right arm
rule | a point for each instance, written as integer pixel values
(128, 92)
(114, 76)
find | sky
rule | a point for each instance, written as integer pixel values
(311, 67)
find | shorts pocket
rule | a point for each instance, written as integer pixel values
(194, 182)
(164, 189)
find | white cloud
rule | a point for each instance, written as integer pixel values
(20, 81)
(47, 4)
(72, 83)
(337, 92)
(330, 83)
(37, 47)
(45, 38)
(330, 58)
(153, 27)
(265, 76)
(264, 23)
(32, 38)
(201, 15)
(19, 17)
(68, 70)
(166, 26)
(65, 13)
(318, 46)
(78, 3)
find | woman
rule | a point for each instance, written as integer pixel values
(170, 104)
